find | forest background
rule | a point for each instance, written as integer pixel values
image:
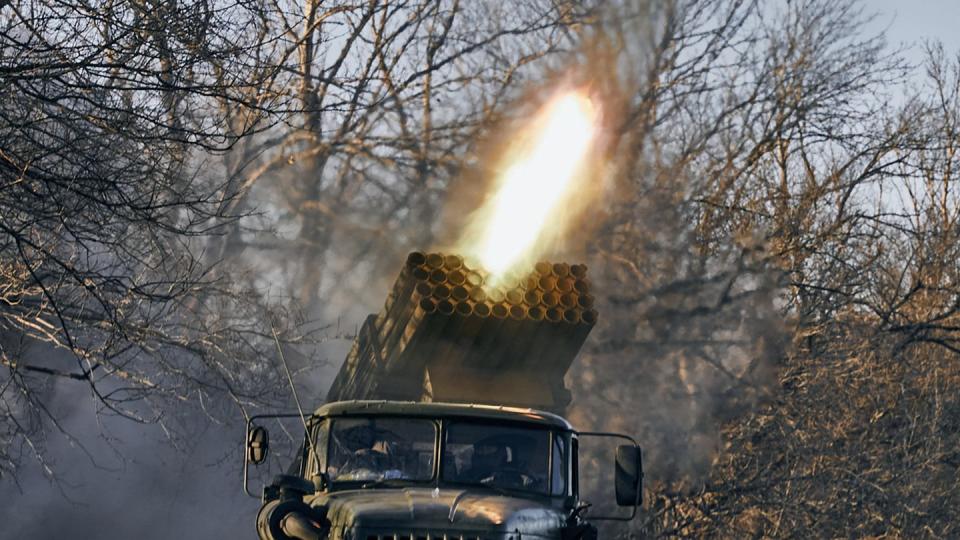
(775, 251)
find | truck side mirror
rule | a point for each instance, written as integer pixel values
(258, 443)
(629, 475)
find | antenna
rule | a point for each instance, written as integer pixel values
(296, 399)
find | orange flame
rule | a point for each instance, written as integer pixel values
(533, 186)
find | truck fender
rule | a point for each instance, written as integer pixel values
(291, 520)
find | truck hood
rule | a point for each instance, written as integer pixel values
(425, 512)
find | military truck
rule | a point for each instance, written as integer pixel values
(386, 459)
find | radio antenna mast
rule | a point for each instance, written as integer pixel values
(296, 399)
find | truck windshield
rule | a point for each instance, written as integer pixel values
(370, 449)
(500, 456)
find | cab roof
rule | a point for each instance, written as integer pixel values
(443, 410)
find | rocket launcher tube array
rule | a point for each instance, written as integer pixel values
(441, 316)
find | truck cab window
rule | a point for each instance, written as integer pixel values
(558, 484)
(321, 440)
(497, 456)
(373, 449)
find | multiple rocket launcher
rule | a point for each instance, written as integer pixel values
(448, 333)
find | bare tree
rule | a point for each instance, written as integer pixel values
(776, 265)
(107, 116)
(770, 194)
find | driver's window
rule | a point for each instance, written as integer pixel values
(558, 484)
(497, 456)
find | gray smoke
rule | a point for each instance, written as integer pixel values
(104, 476)
(128, 480)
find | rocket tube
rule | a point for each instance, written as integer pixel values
(440, 344)
(416, 258)
(480, 348)
(582, 286)
(424, 307)
(514, 296)
(393, 325)
(531, 282)
(481, 309)
(543, 268)
(457, 345)
(408, 278)
(441, 292)
(456, 277)
(445, 307)
(547, 283)
(477, 294)
(532, 298)
(435, 261)
(506, 342)
(438, 276)
(463, 309)
(459, 293)
(453, 262)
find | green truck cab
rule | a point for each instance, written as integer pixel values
(391, 470)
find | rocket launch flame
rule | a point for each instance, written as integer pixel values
(532, 187)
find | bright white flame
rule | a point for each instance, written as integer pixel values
(532, 188)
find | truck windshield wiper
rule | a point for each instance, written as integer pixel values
(388, 482)
(497, 489)
(474, 486)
